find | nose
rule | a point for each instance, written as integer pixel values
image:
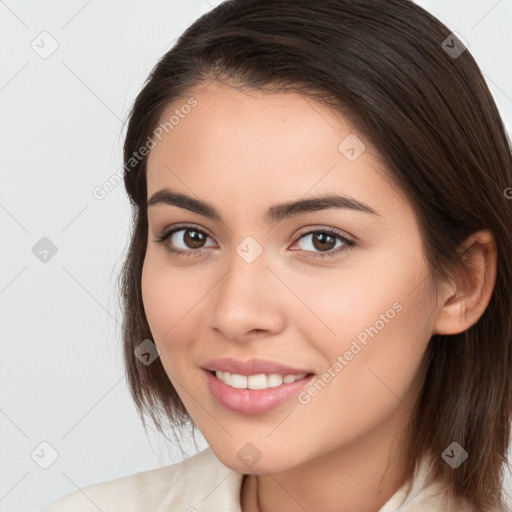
(248, 301)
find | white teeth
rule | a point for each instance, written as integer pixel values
(274, 379)
(259, 381)
(238, 381)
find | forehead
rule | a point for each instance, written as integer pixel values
(278, 120)
(252, 145)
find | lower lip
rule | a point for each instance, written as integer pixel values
(253, 401)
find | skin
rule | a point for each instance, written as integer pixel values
(243, 152)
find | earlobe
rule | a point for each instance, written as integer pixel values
(467, 298)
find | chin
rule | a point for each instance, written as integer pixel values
(248, 459)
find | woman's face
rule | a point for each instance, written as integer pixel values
(266, 282)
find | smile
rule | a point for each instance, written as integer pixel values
(258, 381)
(268, 391)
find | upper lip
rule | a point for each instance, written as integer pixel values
(251, 367)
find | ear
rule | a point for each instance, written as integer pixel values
(464, 300)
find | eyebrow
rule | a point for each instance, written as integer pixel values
(275, 213)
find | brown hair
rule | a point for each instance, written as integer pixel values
(385, 65)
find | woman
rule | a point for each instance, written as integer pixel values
(320, 265)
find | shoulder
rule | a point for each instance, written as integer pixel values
(141, 488)
(177, 484)
(422, 493)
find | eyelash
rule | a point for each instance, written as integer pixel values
(349, 244)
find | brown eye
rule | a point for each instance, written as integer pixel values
(324, 241)
(193, 238)
(186, 240)
(190, 241)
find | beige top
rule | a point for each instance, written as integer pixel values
(202, 483)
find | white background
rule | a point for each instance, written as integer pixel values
(61, 133)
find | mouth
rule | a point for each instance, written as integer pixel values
(257, 381)
(254, 394)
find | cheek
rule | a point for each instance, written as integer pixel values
(380, 376)
(154, 298)
(161, 301)
(164, 293)
(170, 302)
(377, 318)
(341, 303)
